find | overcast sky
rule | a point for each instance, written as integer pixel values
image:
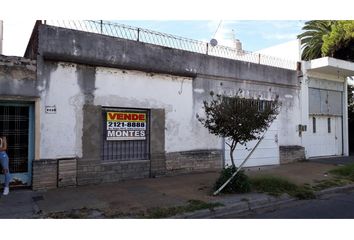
(254, 35)
(16, 36)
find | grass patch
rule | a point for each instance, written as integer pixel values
(85, 213)
(346, 171)
(239, 184)
(193, 205)
(328, 183)
(277, 186)
(82, 213)
(341, 176)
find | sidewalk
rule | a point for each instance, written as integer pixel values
(133, 198)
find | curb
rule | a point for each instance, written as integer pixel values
(246, 207)
(334, 190)
(239, 208)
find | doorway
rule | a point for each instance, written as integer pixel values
(17, 124)
(324, 136)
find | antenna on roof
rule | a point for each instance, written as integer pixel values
(213, 41)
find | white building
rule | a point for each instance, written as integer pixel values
(82, 91)
(324, 109)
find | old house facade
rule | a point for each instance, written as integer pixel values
(101, 109)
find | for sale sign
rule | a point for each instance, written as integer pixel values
(122, 126)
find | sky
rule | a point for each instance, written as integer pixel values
(254, 35)
(254, 21)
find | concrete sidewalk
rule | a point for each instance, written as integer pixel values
(334, 160)
(134, 198)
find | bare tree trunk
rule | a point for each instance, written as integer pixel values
(240, 166)
(232, 158)
(232, 149)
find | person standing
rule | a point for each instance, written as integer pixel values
(4, 160)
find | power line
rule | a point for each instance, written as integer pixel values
(217, 28)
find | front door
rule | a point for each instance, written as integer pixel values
(16, 123)
(323, 136)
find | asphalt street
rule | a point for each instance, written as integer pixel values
(338, 206)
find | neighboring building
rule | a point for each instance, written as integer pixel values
(92, 108)
(290, 50)
(324, 93)
(324, 97)
(17, 111)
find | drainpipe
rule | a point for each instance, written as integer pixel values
(1, 35)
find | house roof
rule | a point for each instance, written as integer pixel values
(333, 66)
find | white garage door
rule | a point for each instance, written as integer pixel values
(324, 136)
(267, 152)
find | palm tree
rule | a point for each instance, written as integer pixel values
(312, 38)
(339, 43)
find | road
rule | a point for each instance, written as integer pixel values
(338, 206)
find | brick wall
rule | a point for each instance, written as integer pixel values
(53, 173)
(44, 174)
(188, 161)
(158, 164)
(94, 172)
(90, 169)
(13, 61)
(67, 171)
(289, 154)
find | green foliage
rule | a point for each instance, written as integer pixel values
(346, 171)
(334, 39)
(328, 183)
(272, 185)
(239, 184)
(82, 213)
(303, 193)
(328, 38)
(193, 205)
(237, 118)
(277, 186)
(339, 42)
(350, 104)
(312, 38)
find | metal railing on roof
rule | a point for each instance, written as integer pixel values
(171, 41)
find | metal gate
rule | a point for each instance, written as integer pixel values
(267, 153)
(16, 123)
(323, 136)
(126, 150)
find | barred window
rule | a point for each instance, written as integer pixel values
(14, 124)
(125, 134)
(261, 105)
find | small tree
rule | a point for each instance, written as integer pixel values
(238, 119)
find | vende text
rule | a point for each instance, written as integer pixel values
(126, 117)
(126, 135)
